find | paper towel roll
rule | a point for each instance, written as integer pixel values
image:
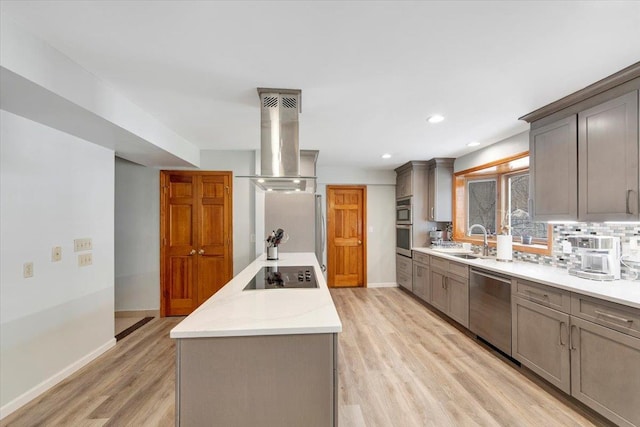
(504, 248)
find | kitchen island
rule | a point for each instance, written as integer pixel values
(259, 357)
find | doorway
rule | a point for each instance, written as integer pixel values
(346, 235)
(196, 252)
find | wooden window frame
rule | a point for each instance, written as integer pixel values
(538, 246)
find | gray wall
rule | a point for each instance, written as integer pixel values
(137, 240)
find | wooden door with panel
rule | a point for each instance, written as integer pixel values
(178, 243)
(346, 237)
(196, 248)
(215, 246)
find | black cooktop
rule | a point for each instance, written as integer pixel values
(283, 278)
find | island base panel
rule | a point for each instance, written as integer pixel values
(276, 380)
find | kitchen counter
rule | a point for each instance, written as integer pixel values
(624, 292)
(232, 312)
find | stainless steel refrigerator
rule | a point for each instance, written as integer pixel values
(301, 217)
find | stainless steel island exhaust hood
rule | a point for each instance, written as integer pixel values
(279, 143)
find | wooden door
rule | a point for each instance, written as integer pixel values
(346, 235)
(196, 250)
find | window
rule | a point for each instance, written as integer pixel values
(496, 196)
(481, 203)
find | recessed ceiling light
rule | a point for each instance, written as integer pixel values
(297, 189)
(386, 156)
(260, 180)
(296, 181)
(269, 189)
(436, 118)
(473, 144)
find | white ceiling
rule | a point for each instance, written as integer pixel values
(370, 72)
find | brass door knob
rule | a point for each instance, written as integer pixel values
(201, 252)
(193, 251)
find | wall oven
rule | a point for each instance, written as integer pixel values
(403, 211)
(403, 240)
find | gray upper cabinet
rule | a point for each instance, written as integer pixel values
(403, 184)
(584, 153)
(554, 170)
(440, 183)
(608, 159)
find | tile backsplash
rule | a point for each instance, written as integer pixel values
(561, 231)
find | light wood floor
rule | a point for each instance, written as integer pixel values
(399, 365)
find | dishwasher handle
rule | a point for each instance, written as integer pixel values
(490, 276)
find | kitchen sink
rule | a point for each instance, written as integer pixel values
(465, 256)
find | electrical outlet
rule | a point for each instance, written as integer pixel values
(85, 259)
(56, 254)
(27, 269)
(84, 244)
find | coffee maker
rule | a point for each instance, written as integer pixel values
(599, 257)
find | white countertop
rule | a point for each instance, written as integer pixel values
(234, 312)
(625, 292)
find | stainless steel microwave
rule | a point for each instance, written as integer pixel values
(403, 211)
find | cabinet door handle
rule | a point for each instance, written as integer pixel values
(611, 316)
(571, 340)
(432, 212)
(561, 343)
(627, 201)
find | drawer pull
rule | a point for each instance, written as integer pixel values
(611, 316)
(540, 297)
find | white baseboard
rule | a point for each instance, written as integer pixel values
(382, 285)
(45, 385)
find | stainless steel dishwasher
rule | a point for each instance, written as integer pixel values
(490, 308)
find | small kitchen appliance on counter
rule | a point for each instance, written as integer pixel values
(599, 257)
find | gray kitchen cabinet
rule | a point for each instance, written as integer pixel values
(540, 341)
(450, 289)
(440, 184)
(403, 184)
(553, 168)
(404, 272)
(411, 179)
(605, 371)
(605, 143)
(421, 276)
(608, 159)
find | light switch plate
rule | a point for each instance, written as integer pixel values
(83, 244)
(56, 254)
(85, 259)
(27, 269)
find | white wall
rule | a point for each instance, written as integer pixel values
(54, 188)
(513, 145)
(381, 199)
(137, 239)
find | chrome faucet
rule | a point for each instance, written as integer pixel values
(485, 246)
